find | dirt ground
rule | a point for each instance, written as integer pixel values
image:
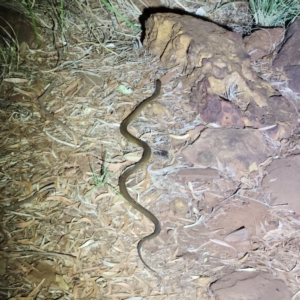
(226, 195)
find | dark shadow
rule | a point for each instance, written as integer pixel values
(16, 28)
(147, 12)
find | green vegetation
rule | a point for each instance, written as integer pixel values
(29, 8)
(62, 18)
(9, 53)
(271, 13)
(101, 179)
(113, 10)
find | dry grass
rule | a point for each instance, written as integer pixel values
(79, 241)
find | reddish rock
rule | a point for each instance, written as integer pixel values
(216, 66)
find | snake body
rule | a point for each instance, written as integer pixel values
(141, 164)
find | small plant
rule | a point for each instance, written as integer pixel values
(29, 8)
(100, 180)
(271, 13)
(113, 10)
(231, 93)
(9, 52)
(62, 19)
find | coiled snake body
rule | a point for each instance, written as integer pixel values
(142, 163)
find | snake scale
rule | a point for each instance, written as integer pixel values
(141, 164)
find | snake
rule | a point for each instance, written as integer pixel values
(141, 164)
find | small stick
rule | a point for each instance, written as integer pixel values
(49, 116)
(15, 206)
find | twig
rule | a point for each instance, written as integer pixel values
(59, 141)
(30, 198)
(14, 254)
(50, 117)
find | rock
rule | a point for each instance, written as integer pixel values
(262, 42)
(288, 58)
(250, 286)
(282, 181)
(217, 67)
(234, 149)
(197, 174)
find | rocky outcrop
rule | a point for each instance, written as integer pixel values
(288, 58)
(214, 63)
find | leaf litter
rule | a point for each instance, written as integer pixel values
(80, 241)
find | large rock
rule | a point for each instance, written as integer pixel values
(216, 66)
(250, 286)
(288, 58)
(232, 148)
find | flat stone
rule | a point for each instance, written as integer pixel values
(250, 286)
(282, 182)
(197, 174)
(238, 150)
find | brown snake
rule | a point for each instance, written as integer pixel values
(142, 163)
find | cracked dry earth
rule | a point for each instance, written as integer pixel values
(223, 180)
